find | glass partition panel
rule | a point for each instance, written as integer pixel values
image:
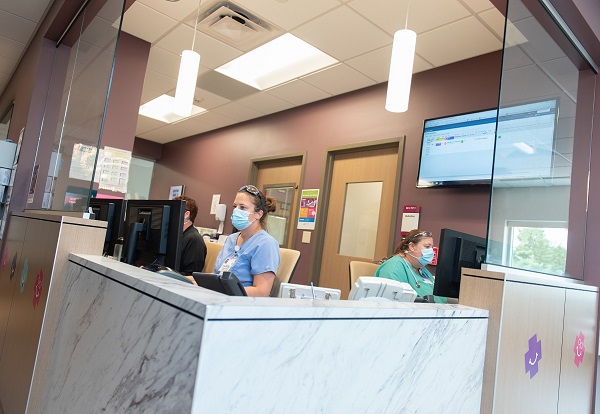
(75, 109)
(538, 154)
(360, 219)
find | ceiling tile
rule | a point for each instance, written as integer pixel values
(213, 53)
(159, 82)
(288, 14)
(10, 48)
(523, 83)
(265, 103)
(209, 100)
(514, 57)
(338, 79)
(209, 119)
(298, 92)
(236, 111)
(353, 37)
(15, 27)
(32, 10)
(146, 23)
(163, 61)
(375, 64)
(545, 48)
(390, 15)
(7, 65)
(563, 72)
(446, 44)
(145, 124)
(495, 20)
(168, 133)
(177, 10)
(478, 5)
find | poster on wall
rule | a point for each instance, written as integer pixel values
(113, 169)
(308, 209)
(82, 162)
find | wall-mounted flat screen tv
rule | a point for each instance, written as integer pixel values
(459, 149)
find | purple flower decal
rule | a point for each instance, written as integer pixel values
(533, 356)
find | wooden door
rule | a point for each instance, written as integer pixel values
(378, 168)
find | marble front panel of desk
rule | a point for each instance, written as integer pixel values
(132, 341)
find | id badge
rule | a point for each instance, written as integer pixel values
(227, 264)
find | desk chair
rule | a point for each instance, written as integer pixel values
(212, 251)
(358, 269)
(287, 264)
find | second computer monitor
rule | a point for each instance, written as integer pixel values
(113, 212)
(456, 250)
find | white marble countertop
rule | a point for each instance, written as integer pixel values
(212, 305)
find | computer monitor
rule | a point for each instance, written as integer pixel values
(113, 212)
(379, 288)
(153, 232)
(456, 250)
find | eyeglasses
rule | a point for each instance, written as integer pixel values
(255, 191)
(421, 234)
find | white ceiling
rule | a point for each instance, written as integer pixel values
(19, 20)
(358, 33)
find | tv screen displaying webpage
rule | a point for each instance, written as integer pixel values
(459, 149)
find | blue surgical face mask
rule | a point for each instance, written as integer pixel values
(239, 219)
(426, 256)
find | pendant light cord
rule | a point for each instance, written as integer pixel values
(407, 9)
(196, 24)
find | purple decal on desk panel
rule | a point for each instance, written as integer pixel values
(579, 349)
(13, 266)
(37, 288)
(24, 275)
(533, 356)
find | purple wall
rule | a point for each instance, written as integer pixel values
(218, 162)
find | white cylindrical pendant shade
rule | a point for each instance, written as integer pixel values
(401, 66)
(186, 83)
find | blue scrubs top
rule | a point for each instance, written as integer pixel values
(258, 254)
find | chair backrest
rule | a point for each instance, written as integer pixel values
(287, 264)
(358, 269)
(212, 251)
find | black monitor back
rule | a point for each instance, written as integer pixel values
(153, 232)
(113, 212)
(456, 250)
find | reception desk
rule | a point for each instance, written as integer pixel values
(131, 341)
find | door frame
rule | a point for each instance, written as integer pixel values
(253, 178)
(321, 221)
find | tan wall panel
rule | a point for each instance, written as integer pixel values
(528, 310)
(577, 382)
(484, 290)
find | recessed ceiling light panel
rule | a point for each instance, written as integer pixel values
(276, 62)
(161, 109)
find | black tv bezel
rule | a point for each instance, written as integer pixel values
(486, 182)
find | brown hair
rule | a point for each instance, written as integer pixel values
(190, 205)
(261, 202)
(414, 237)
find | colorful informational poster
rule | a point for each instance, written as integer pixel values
(114, 169)
(308, 209)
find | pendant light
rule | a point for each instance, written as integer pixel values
(401, 66)
(188, 75)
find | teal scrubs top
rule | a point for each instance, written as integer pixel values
(398, 268)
